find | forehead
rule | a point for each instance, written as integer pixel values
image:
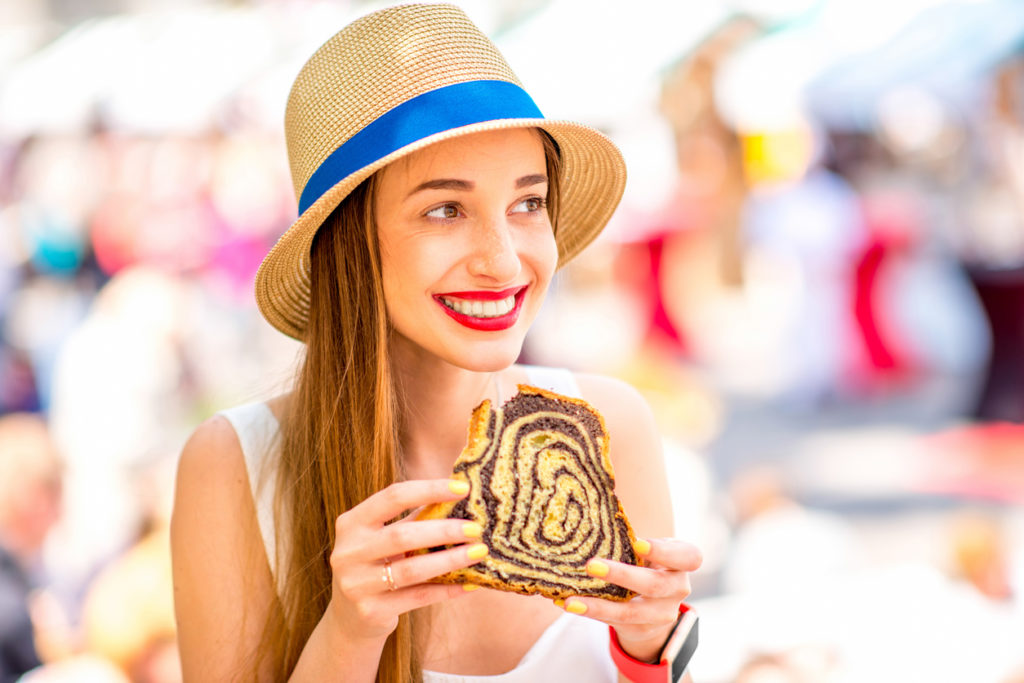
(511, 151)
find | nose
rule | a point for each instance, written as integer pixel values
(495, 252)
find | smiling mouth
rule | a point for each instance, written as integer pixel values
(481, 309)
(484, 310)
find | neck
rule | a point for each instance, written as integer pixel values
(439, 398)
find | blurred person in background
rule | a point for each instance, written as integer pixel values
(285, 564)
(30, 494)
(44, 232)
(803, 229)
(128, 614)
(992, 245)
(696, 250)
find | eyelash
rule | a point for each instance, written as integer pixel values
(541, 204)
(439, 208)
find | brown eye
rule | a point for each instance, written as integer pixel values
(529, 205)
(445, 211)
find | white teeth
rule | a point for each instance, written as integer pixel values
(481, 309)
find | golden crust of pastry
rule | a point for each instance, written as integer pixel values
(542, 487)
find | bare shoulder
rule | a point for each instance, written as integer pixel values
(618, 401)
(217, 555)
(636, 452)
(212, 456)
(213, 450)
(627, 416)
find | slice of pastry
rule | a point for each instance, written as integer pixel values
(541, 485)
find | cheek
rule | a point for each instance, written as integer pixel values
(547, 255)
(388, 267)
(409, 268)
(394, 267)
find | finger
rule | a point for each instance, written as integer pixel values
(670, 553)
(420, 568)
(421, 595)
(648, 582)
(369, 579)
(392, 501)
(398, 539)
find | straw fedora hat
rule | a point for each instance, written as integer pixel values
(394, 82)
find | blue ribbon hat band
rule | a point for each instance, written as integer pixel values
(432, 112)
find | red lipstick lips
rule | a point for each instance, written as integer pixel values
(502, 322)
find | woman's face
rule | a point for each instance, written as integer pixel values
(467, 248)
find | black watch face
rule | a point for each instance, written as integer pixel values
(687, 645)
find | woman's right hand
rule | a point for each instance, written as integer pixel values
(364, 604)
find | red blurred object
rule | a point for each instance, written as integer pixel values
(979, 461)
(661, 326)
(882, 353)
(641, 267)
(115, 230)
(885, 359)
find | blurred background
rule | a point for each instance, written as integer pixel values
(816, 277)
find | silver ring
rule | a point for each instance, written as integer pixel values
(387, 577)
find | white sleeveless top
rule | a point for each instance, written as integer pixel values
(572, 649)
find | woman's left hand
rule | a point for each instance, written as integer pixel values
(643, 623)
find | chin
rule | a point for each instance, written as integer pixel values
(487, 357)
(476, 355)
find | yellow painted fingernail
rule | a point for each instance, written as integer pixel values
(560, 602)
(597, 568)
(576, 607)
(478, 551)
(457, 487)
(472, 530)
(643, 547)
(469, 587)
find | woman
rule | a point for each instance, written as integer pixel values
(435, 204)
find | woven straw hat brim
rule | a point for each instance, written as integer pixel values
(592, 181)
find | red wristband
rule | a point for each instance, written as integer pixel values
(634, 669)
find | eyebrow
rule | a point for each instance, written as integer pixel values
(442, 184)
(466, 185)
(528, 180)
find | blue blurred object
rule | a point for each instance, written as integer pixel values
(56, 247)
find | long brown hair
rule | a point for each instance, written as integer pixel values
(340, 434)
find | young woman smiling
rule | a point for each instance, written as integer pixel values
(435, 205)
